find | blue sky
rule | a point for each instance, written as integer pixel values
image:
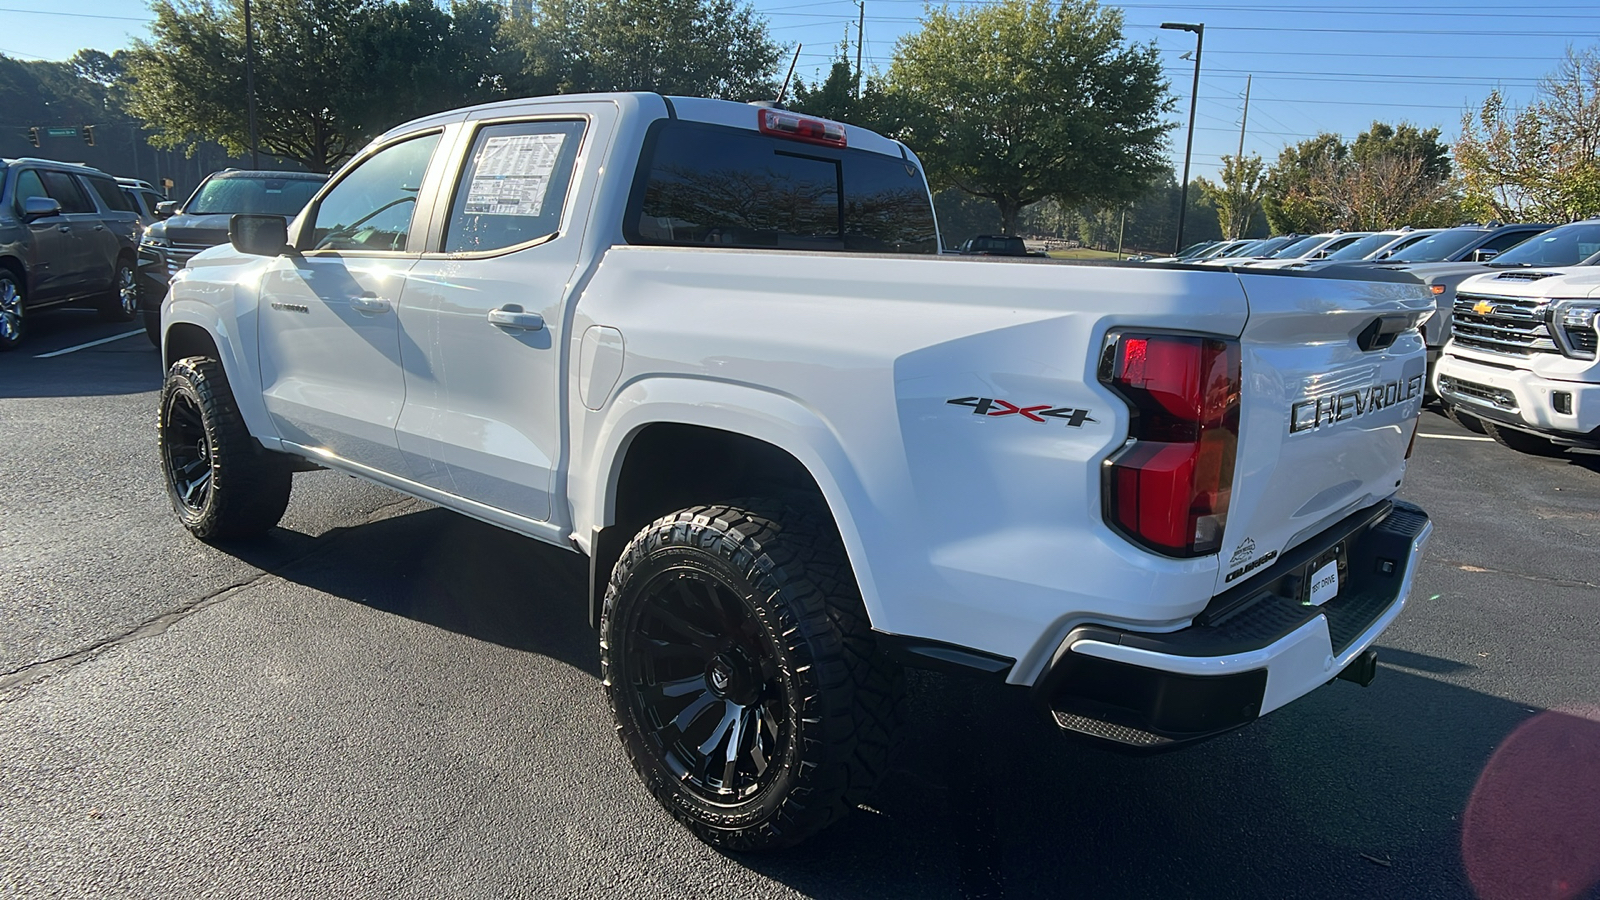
(1330, 66)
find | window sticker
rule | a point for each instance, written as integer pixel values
(511, 174)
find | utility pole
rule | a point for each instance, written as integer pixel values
(250, 85)
(1199, 32)
(1121, 231)
(861, 27)
(1243, 119)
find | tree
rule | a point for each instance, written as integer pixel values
(1387, 177)
(1238, 197)
(1021, 100)
(329, 74)
(1542, 162)
(700, 48)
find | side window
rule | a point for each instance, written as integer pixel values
(886, 207)
(28, 185)
(1503, 241)
(514, 185)
(372, 207)
(66, 190)
(111, 194)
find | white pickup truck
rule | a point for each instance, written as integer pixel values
(713, 347)
(1520, 364)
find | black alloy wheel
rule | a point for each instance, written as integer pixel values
(186, 450)
(13, 311)
(220, 480)
(704, 679)
(742, 672)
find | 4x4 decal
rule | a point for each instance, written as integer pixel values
(988, 406)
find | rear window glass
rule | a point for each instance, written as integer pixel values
(111, 194)
(514, 185)
(251, 194)
(714, 185)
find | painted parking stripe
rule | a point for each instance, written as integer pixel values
(1454, 437)
(108, 340)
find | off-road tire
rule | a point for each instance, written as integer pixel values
(1522, 441)
(200, 430)
(1465, 419)
(13, 310)
(841, 697)
(122, 303)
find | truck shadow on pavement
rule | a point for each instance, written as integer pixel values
(1348, 792)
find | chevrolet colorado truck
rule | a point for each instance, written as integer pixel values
(713, 347)
(1520, 364)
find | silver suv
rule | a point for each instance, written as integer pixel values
(68, 234)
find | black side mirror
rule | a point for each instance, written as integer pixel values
(39, 208)
(166, 209)
(258, 235)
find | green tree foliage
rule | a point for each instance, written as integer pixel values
(1387, 177)
(329, 74)
(53, 93)
(1542, 162)
(1021, 100)
(699, 48)
(1238, 198)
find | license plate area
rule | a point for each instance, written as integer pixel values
(1326, 575)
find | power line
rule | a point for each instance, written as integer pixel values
(51, 12)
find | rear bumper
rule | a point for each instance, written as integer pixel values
(1254, 649)
(1521, 399)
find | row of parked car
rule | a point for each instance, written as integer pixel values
(72, 235)
(1512, 348)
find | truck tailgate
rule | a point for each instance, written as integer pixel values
(1333, 372)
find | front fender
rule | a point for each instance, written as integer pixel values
(226, 310)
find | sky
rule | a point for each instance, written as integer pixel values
(1330, 66)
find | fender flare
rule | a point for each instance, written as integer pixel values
(755, 412)
(231, 326)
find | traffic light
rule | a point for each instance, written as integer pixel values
(88, 135)
(33, 136)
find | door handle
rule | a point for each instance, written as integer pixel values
(99, 228)
(513, 317)
(64, 229)
(370, 303)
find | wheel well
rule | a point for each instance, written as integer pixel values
(185, 339)
(15, 268)
(669, 466)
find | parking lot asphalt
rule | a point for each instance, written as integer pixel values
(384, 699)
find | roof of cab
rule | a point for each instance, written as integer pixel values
(693, 109)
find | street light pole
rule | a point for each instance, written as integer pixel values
(1199, 31)
(250, 85)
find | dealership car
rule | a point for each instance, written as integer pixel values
(202, 221)
(67, 236)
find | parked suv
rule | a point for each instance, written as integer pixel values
(145, 199)
(995, 245)
(202, 221)
(68, 234)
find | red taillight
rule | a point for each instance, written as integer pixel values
(1168, 488)
(783, 124)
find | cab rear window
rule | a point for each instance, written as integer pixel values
(713, 185)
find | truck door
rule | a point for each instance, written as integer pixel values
(484, 318)
(329, 315)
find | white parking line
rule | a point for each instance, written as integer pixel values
(88, 345)
(1454, 437)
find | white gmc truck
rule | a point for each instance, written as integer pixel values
(713, 347)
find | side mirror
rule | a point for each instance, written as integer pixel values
(166, 209)
(1484, 255)
(258, 235)
(39, 208)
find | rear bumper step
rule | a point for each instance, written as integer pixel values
(1255, 648)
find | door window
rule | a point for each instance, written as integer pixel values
(28, 185)
(514, 185)
(67, 192)
(373, 207)
(1502, 241)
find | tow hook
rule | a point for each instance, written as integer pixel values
(1362, 669)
